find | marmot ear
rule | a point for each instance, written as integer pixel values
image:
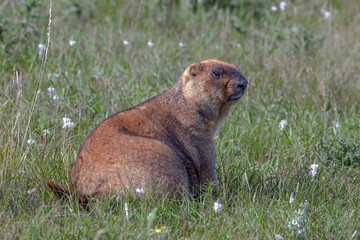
(195, 69)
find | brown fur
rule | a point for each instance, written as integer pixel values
(166, 141)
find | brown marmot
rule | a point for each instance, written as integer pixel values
(166, 142)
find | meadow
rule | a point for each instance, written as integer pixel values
(288, 155)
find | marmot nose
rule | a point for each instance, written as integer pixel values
(241, 82)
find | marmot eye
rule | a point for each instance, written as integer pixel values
(216, 74)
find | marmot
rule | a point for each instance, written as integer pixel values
(166, 142)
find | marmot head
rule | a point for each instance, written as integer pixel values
(213, 85)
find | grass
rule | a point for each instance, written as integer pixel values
(301, 68)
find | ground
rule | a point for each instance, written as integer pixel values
(288, 155)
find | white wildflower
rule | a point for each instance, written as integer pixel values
(67, 123)
(278, 237)
(126, 43)
(181, 44)
(217, 207)
(51, 90)
(30, 191)
(46, 133)
(313, 169)
(30, 141)
(126, 211)
(150, 43)
(282, 6)
(72, 42)
(282, 124)
(140, 191)
(326, 14)
(303, 207)
(273, 8)
(238, 45)
(297, 224)
(41, 50)
(336, 124)
(56, 97)
(53, 76)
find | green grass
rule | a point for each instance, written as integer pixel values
(301, 68)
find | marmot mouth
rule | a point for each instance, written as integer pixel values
(236, 96)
